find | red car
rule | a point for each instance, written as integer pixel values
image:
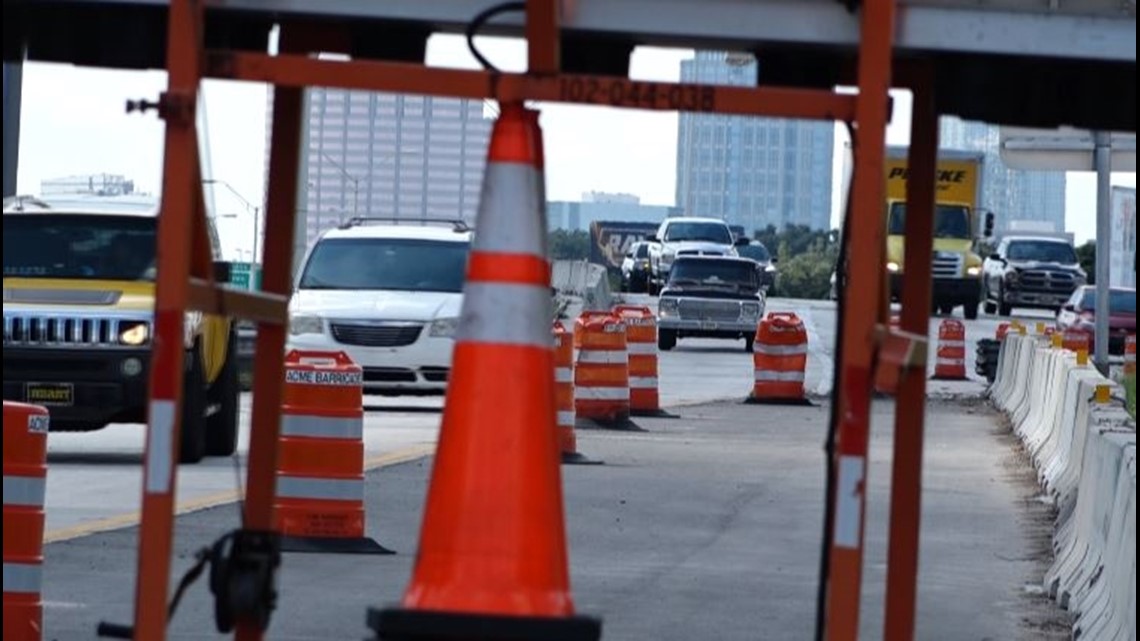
(1080, 314)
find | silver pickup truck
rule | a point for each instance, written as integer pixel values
(710, 297)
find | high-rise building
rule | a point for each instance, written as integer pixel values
(750, 171)
(1012, 195)
(392, 155)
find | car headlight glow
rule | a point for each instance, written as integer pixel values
(974, 271)
(305, 324)
(443, 327)
(893, 267)
(135, 334)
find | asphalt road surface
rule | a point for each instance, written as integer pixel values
(704, 527)
(94, 478)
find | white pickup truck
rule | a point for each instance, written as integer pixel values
(687, 236)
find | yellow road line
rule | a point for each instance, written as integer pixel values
(220, 498)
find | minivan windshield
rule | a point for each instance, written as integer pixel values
(387, 264)
(698, 232)
(79, 246)
(950, 221)
(708, 271)
(1042, 252)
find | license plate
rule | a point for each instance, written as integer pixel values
(708, 325)
(58, 394)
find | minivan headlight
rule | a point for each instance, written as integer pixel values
(443, 327)
(305, 324)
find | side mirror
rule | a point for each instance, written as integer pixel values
(652, 239)
(1069, 307)
(775, 261)
(991, 223)
(223, 271)
(996, 257)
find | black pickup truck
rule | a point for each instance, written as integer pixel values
(1036, 272)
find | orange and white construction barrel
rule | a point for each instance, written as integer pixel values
(25, 482)
(320, 468)
(780, 356)
(601, 368)
(641, 341)
(951, 360)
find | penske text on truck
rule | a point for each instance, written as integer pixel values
(959, 225)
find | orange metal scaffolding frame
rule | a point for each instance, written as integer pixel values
(184, 281)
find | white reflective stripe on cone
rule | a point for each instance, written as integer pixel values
(296, 487)
(563, 375)
(643, 382)
(952, 344)
(769, 376)
(27, 491)
(599, 357)
(322, 426)
(505, 314)
(510, 219)
(950, 362)
(780, 350)
(567, 419)
(603, 393)
(643, 349)
(23, 577)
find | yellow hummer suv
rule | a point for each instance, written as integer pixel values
(78, 322)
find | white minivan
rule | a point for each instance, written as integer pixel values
(387, 294)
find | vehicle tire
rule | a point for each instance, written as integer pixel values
(749, 344)
(222, 426)
(991, 308)
(666, 339)
(972, 310)
(946, 310)
(1005, 309)
(192, 447)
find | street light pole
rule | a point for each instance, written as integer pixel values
(355, 184)
(256, 224)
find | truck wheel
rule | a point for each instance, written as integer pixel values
(666, 339)
(947, 310)
(991, 308)
(225, 393)
(749, 344)
(971, 311)
(1005, 309)
(193, 444)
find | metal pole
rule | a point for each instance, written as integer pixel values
(253, 259)
(1104, 247)
(13, 83)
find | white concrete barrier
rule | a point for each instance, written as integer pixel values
(1085, 455)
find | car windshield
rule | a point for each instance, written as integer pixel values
(713, 272)
(699, 232)
(387, 264)
(1042, 252)
(758, 253)
(75, 246)
(950, 221)
(1123, 302)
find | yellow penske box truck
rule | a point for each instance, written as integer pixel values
(959, 225)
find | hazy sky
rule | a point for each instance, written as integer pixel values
(74, 122)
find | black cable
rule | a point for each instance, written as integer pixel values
(476, 25)
(833, 421)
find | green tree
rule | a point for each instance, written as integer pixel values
(569, 245)
(1087, 255)
(808, 274)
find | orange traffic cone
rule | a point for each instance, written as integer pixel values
(492, 561)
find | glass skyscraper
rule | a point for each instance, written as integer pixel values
(1012, 195)
(753, 172)
(392, 155)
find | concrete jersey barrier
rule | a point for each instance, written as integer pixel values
(1085, 456)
